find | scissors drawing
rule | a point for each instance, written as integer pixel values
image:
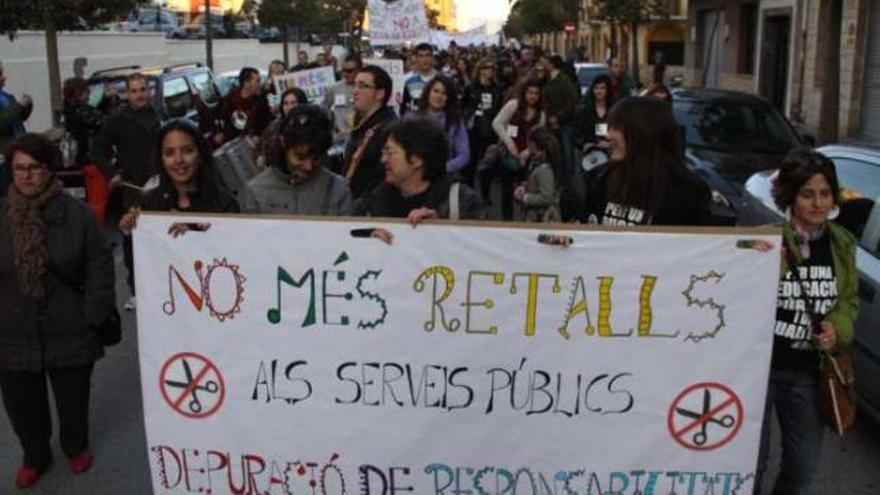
(210, 386)
(727, 421)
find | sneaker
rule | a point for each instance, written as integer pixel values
(130, 305)
(81, 462)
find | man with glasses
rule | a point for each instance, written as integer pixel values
(363, 153)
(299, 183)
(338, 100)
(425, 71)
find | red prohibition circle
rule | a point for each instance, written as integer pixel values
(731, 400)
(207, 367)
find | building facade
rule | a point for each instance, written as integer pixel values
(818, 61)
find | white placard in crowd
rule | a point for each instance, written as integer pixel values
(394, 68)
(289, 356)
(313, 81)
(472, 37)
(397, 22)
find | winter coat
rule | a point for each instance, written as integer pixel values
(540, 201)
(387, 201)
(369, 172)
(843, 252)
(134, 135)
(325, 193)
(12, 117)
(59, 330)
(82, 121)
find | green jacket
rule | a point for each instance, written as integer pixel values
(843, 251)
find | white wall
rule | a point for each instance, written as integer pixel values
(25, 67)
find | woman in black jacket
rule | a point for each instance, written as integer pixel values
(482, 101)
(646, 181)
(187, 181)
(57, 289)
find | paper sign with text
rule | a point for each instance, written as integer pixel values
(290, 356)
(314, 82)
(397, 22)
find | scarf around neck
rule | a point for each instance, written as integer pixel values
(24, 219)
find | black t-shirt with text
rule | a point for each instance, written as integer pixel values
(793, 346)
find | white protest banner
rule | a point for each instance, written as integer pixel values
(394, 68)
(313, 81)
(397, 21)
(475, 36)
(287, 356)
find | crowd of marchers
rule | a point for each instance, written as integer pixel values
(473, 126)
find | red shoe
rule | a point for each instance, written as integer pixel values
(81, 462)
(27, 476)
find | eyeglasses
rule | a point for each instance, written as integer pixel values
(361, 85)
(28, 168)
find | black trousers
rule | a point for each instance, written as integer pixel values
(26, 400)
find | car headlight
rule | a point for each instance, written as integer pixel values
(720, 199)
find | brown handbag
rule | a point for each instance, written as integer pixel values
(837, 392)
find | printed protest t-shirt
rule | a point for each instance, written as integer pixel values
(624, 216)
(793, 346)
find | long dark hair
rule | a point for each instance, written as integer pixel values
(521, 104)
(299, 94)
(207, 184)
(609, 98)
(452, 110)
(653, 162)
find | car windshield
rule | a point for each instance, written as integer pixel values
(587, 74)
(734, 126)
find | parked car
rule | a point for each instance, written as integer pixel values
(171, 89)
(586, 72)
(728, 136)
(151, 19)
(196, 32)
(858, 171)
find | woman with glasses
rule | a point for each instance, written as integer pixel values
(57, 289)
(482, 101)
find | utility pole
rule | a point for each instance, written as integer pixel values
(209, 34)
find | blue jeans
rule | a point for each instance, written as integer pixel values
(794, 394)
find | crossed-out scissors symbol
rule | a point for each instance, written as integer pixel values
(191, 386)
(726, 421)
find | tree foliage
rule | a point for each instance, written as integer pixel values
(631, 11)
(66, 14)
(312, 16)
(540, 16)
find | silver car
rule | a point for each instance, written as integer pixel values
(858, 171)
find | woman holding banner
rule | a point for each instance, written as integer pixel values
(56, 290)
(816, 309)
(646, 181)
(417, 186)
(187, 181)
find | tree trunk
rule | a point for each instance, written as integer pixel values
(297, 31)
(613, 51)
(634, 44)
(209, 35)
(285, 33)
(54, 70)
